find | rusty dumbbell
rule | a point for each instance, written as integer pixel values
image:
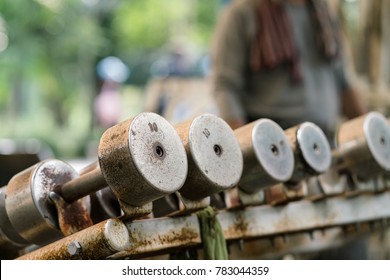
(140, 159)
(214, 165)
(268, 157)
(27, 215)
(362, 153)
(312, 156)
(363, 146)
(215, 161)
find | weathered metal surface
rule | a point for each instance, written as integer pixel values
(156, 236)
(214, 156)
(82, 186)
(303, 216)
(161, 235)
(72, 217)
(187, 206)
(363, 145)
(96, 242)
(292, 245)
(268, 158)
(281, 194)
(312, 154)
(7, 231)
(106, 202)
(142, 159)
(28, 206)
(10, 241)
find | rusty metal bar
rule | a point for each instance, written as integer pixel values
(95, 242)
(84, 185)
(150, 237)
(303, 216)
(154, 236)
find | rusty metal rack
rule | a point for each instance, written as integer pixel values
(276, 186)
(156, 236)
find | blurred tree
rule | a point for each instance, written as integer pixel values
(49, 50)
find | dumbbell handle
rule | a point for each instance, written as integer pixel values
(87, 183)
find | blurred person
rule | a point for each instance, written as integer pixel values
(108, 103)
(283, 60)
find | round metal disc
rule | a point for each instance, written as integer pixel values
(157, 152)
(117, 235)
(272, 149)
(215, 151)
(314, 146)
(49, 174)
(377, 133)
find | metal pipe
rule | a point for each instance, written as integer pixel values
(84, 185)
(154, 236)
(96, 242)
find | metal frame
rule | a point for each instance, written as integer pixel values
(151, 237)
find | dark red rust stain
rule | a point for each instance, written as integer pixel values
(72, 217)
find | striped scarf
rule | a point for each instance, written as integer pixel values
(274, 42)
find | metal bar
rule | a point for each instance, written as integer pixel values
(95, 242)
(160, 235)
(151, 237)
(84, 185)
(303, 216)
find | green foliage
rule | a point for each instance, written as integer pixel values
(47, 72)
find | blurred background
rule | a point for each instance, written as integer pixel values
(61, 60)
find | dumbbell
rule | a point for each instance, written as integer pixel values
(268, 161)
(215, 161)
(140, 159)
(362, 153)
(363, 146)
(311, 149)
(26, 214)
(214, 165)
(268, 157)
(312, 156)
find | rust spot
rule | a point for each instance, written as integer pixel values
(114, 136)
(72, 217)
(239, 228)
(181, 236)
(174, 239)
